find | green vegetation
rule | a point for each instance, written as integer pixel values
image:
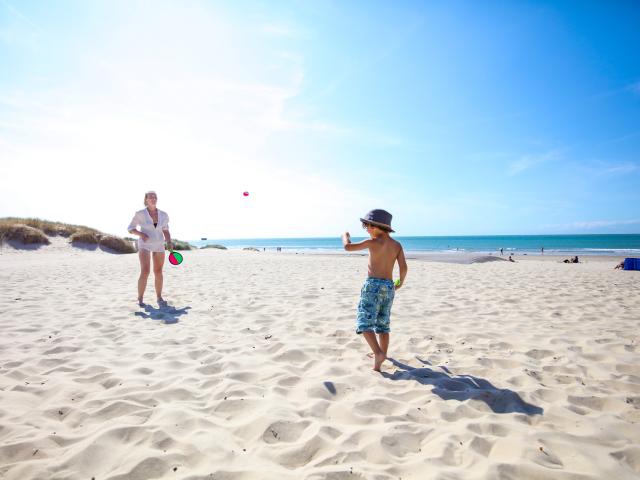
(35, 231)
(85, 237)
(219, 247)
(49, 228)
(180, 245)
(120, 245)
(19, 232)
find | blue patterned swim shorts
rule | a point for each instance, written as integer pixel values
(374, 309)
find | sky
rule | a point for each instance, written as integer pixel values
(458, 117)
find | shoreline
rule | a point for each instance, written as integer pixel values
(472, 258)
(582, 245)
(60, 245)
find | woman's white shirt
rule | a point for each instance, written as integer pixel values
(143, 219)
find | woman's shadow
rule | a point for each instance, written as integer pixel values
(168, 313)
(463, 387)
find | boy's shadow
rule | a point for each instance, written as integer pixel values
(168, 314)
(464, 387)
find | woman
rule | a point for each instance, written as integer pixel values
(153, 233)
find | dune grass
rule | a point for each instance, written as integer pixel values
(36, 231)
(19, 232)
(90, 238)
(120, 245)
(49, 228)
(180, 245)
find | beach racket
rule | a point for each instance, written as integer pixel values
(175, 258)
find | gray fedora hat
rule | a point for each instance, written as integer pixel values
(379, 218)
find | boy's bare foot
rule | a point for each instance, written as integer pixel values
(379, 358)
(140, 302)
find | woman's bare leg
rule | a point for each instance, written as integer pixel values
(158, 263)
(145, 267)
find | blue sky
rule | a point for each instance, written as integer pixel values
(457, 117)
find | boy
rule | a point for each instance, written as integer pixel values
(377, 294)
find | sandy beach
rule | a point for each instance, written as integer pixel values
(499, 370)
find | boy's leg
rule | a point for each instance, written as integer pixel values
(384, 318)
(368, 308)
(378, 354)
(383, 340)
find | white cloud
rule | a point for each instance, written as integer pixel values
(620, 169)
(527, 162)
(20, 16)
(602, 168)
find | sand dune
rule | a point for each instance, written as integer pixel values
(509, 371)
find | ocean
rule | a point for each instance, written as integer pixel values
(609, 244)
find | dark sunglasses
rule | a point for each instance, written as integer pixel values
(365, 225)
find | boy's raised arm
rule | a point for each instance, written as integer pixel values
(351, 247)
(402, 263)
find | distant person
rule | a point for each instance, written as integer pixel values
(511, 258)
(502, 251)
(153, 233)
(619, 266)
(378, 291)
(575, 260)
(541, 250)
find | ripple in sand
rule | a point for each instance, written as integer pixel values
(284, 431)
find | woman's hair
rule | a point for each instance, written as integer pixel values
(150, 192)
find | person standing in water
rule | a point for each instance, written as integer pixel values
(378, 291)
(153, 233)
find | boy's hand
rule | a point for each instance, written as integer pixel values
(346, 238)
(398, 285)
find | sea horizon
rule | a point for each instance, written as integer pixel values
(557, 244)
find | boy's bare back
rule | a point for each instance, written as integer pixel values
(383, 253)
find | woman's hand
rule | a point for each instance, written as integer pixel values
(169, 246)
(144, 236)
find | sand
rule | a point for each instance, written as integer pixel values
(500, 370)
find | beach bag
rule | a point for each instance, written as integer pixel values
(632, 263)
